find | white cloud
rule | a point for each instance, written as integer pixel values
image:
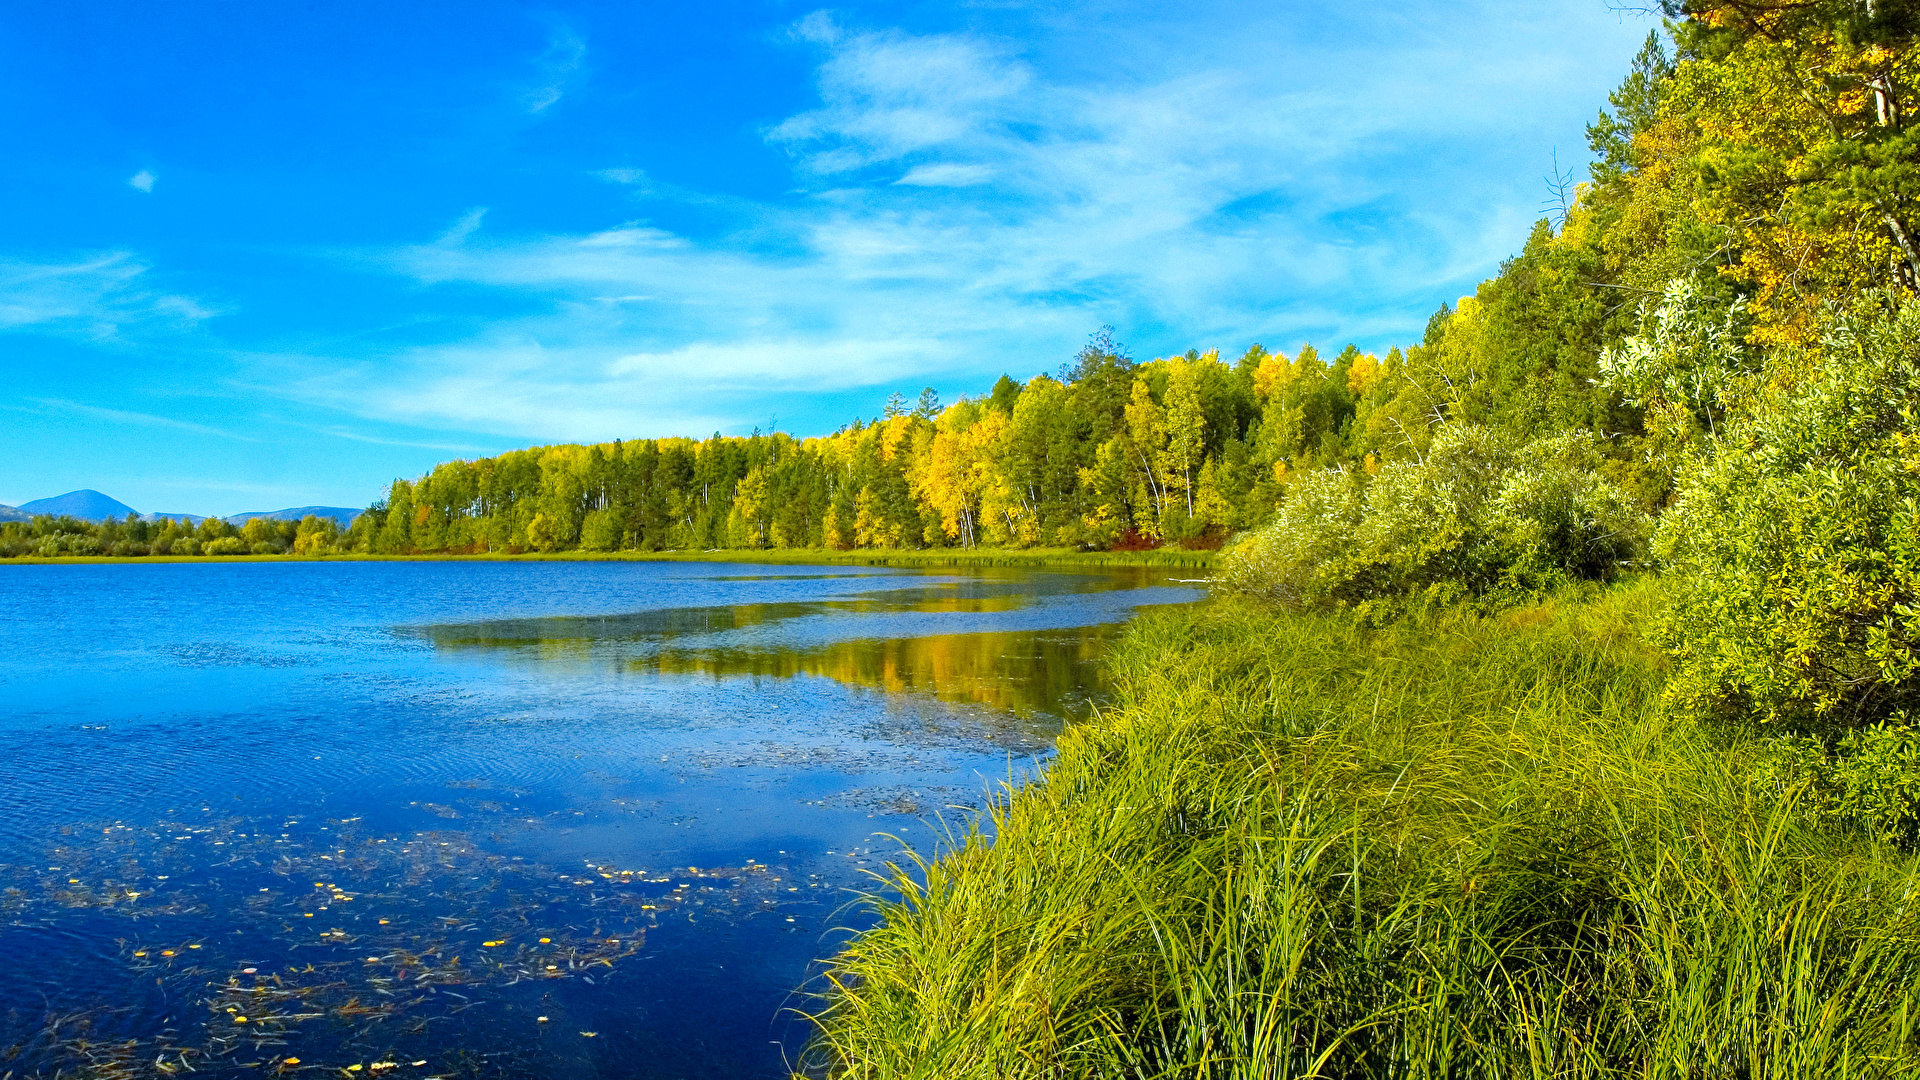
(468, 224)
(885, 95)
(946, 174)
(967, 208)
(559, 66)
(95, 296)
(142, 180)
(122, 416)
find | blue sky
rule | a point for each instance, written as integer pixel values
(261, 254)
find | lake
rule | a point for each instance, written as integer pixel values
(490, 819)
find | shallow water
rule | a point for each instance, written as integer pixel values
(488, 819)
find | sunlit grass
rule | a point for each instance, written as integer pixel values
(1466, 847)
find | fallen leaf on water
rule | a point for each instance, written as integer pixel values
(589, 1034)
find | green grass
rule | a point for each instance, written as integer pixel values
(1467, 847)
(931, 557)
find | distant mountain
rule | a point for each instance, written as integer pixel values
(342, 514)
(85, 504)
(89, 505)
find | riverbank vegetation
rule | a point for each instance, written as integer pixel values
(1460, 845)
(1571, 735)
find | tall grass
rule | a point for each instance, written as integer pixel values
(1466, 847)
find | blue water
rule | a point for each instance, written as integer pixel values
(488, 819)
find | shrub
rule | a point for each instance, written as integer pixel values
(1794, 546)
(1482, 516)
(226, 545)
(1868, 776)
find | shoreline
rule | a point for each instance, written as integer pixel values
(904, 557)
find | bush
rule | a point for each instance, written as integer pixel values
(1483, 516)
(1868, 777)
(186, 545)
(1794, 546)
(226, 545)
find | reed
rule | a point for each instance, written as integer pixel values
(1460, 846)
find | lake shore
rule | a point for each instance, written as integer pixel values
(1460, 845)
(930, 558)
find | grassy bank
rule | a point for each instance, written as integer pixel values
(932, 558)
(1469, 847)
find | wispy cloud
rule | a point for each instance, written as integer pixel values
(142, 181)
(416, 444)
(559, 67)
(967, 207)
(469, 222)
(122, 416)
(947, 174)
(95, 296)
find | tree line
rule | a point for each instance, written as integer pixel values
(48, 536)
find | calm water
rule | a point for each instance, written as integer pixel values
(488, 819)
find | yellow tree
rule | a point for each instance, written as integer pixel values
(1147, 436)
(1186, 425)
(1792, 127)
(956, 468)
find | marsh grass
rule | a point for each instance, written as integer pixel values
(1462, 846)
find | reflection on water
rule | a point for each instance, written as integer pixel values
(1043, 675)
(487, 820)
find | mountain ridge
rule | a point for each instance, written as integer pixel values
(93, 506)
